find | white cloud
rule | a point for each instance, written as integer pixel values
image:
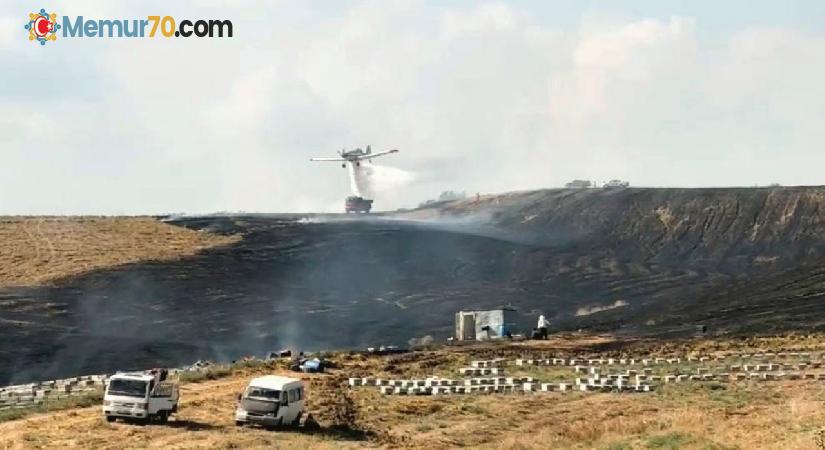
(484, 19)
(781, 66)
(643, 52)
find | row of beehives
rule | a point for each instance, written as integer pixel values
(480, 372)
(503, 385)
(26, 395)
(734, 368)
(437, 382)
(642, 380)
(556, 361)
(483, 368)
(499, 384)
(734, 372)
(707, 376)
(784, 370)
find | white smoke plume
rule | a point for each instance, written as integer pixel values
(588, 310)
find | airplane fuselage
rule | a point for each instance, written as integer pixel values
(354, 155)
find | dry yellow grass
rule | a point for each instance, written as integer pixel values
(754, 415)
(35, 250)
(205, 421)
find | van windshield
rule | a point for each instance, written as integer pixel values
(128, 388)
(257, 393)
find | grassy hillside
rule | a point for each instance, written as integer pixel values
(40, 249)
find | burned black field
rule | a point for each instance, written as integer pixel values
(653, 262)
(306, 285)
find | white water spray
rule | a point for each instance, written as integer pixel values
(370, 180)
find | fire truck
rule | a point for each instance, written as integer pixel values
(356, 205)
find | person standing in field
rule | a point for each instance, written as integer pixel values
(542, 326)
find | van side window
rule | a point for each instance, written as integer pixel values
(291, 394)
(299, 393)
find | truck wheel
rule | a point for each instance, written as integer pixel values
(163, 417)
(310, 423)
(297, 421)
(110, 419)
(238, 423)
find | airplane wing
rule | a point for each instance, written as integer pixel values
(375, 155)
(327, 159)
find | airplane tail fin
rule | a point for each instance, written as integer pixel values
(369, 150)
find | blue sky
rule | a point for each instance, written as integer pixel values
(479, 96)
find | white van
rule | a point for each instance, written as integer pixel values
(271, 401)
(144, 396)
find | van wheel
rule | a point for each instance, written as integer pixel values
(297, 422)
(278, 425)
(110, 419)
(238, 423)
(163, 417)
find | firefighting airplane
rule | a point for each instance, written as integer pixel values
(355, 157)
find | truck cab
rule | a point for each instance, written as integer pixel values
(271, 401)
(143, 396)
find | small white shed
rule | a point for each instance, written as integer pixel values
(481, 325)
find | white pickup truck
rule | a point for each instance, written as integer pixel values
(144, 396)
